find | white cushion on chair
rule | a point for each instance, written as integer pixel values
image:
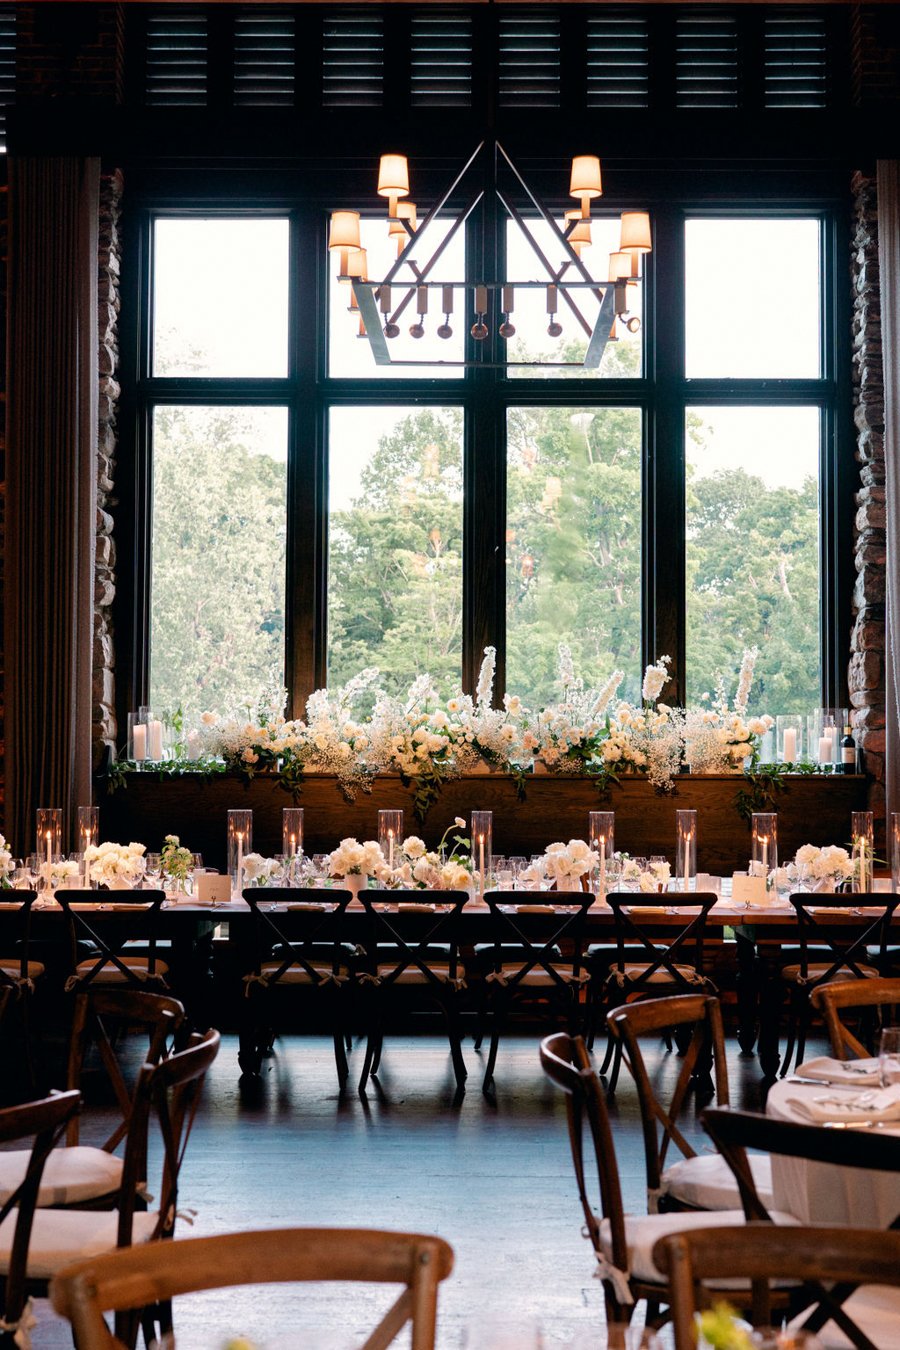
(71, 1175)
(11, 967)
(816, 969)
(414, 974)
(707, 1181)
(110, 973)
(538, 976)
(297, 974)
(643, 1231)
(875, 1308)
(636, 971)
(59, 1236)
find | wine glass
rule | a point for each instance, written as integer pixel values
(153, 869)
(889, 1057)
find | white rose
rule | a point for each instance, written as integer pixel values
(413, 847)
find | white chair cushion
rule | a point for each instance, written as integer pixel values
(643, 1231)
(59, 1236)
(414, 975)
(816, 969)
(111, 974)
(13, 968)
(708, 1182)
(537, 976)
(875, 1308)
(71, 1175)
(637, 971)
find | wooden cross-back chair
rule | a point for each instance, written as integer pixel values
(733, 1132)
(412, 951)
(126, 917)
(87, 1177)
(829, 952)
(870, 996)
(18, 973)
(537, 953)
(132, 1279)
(44, 1122)
(299, 945)
(623, 1243)
(821, 1260)
(695, 1180)
(168, 1093)
(652, 960)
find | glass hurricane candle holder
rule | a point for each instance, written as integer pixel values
(87, 833)
(825, 741)
(49, 834)
(482, 846)
(601, 838)
(789, 737)
(390, 834)
(685, 849)
(137, 736)
(763, 844)
(240, 843)
(292, 831)
(894, 840)
(862, 832)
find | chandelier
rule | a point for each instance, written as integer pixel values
(488, 302)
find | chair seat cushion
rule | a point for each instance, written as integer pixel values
(59, 1236)
(816, 969)
(643, 1231)
(637, 970)
(12, 967)
(440, 970)
(71, 1175)
(110, 974)
(538, 977)
(297, 974)
(707, 1181)
(875, 1308)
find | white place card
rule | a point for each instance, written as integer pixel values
(212, 889)
(748, 890)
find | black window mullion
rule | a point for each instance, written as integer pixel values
(664, 497)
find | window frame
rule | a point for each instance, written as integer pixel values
(661, 393)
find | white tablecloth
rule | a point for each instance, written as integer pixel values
(820, 1193)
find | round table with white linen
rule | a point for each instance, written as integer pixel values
(819, 1193)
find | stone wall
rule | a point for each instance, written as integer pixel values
(866, 673)
(104, 728)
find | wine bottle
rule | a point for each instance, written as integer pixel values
(848, 752)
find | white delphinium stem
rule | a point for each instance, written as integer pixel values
(745, 679)
(485, 685)
(607, 693)
(655, 678)
(566, 667)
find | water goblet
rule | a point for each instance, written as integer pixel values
(153, 869)
(889, 1057)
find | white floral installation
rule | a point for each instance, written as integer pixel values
(6, 865)
(566, 866)
(419, 868)
(114, 864)
(353, 859)
(719, 738)
(53, 874)
(816, 869)
(260, 871)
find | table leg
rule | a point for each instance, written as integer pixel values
(747, 990)
(769, 1016)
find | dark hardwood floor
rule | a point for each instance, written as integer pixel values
(492, 1176)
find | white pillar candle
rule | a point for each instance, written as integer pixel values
(481, 862)
(602, 869)
(140, 742)
(390, 848)
(240, 861)
(687, 859)
(790, 745)
(293, 847)
(49, 853)
(154, 739)
(765, 854)
(826, 750)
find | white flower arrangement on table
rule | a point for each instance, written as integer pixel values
(631, 872)
(419, 868)
(54, 874)
(176, 859)
(6, 865)
(353, 859)
(109, 863)
(561, 865)
(818, 869)
(261, 871)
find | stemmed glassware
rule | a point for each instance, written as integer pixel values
(889, 1057)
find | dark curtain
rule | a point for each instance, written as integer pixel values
(51, 494)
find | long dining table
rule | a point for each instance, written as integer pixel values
(753, 927)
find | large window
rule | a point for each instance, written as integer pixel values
(312, 514)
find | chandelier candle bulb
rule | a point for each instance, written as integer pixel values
(635, 232)
(585, 181)
(393, 179)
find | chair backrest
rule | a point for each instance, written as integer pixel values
(662, 933)
(828, 1261)
(304, 926)
(44, 1121)
(566, 1063)
(21, 937)
(871, 993)
(146, 1275)
(423, 923)
(702, 1013)
(845, 954)
(733, 1132)
(100, 1016)
(170, 1092)
(135, 917)
(540, 931)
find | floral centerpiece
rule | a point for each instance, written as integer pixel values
(817, 869)
(6, 865)
(261, 871)
(419, 868)
(118, 866)
(176, 860)
(632, 874)
(53, 874)
(352, 863)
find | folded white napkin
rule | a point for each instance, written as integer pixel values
(873, 1105)
(863, 1072)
